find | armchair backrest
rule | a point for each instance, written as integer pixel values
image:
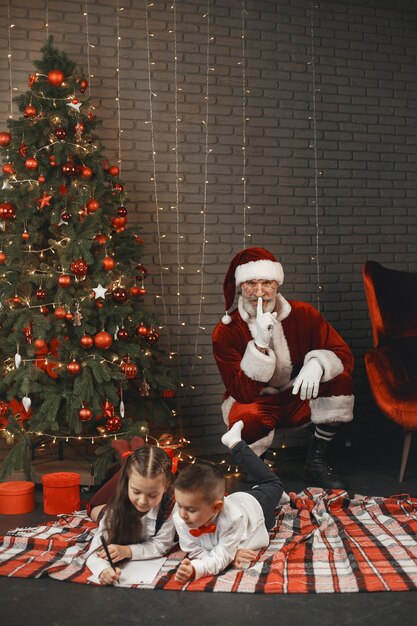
(392, 302)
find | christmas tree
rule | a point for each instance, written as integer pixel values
(77, 344)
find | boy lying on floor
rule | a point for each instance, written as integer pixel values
(215, 530)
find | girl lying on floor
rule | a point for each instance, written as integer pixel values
(137, 523)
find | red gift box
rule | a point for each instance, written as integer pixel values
(17, 497)
(61, 492)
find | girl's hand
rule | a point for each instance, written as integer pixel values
(109, 577)
(243, 558)
(117, 553)
(185, 571)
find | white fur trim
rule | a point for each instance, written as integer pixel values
(284, 366)
(256, 365)
(330, 362)
(329, 410)
(226, 319)
(259, 270)
(226, 408)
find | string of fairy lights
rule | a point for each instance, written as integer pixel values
(9, 57)
(313, 145)
(119, 123)
(47, 19)
(244, 120)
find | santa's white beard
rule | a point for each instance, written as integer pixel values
(249, 304)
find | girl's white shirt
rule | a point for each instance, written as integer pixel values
(149, 546)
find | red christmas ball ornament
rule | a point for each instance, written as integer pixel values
(108, 263)
(138, 239)
(152, 337)
(86, 341)
(167, 393)
(60, 133)
(41, 179)
(4, 408)
(118, 187)
(114, 170)
(40, 294)
(142, 330)
(16, 300)
(44, 310)
(86, 172)
(8, 169)
(64, 280)
(41, 345)
(69, 316)
(73, 368)
(122, 334)
(74, 101)
(30, 111)
(113, 424)
(3, 258)
(56, 78)
(92, 205)
(69, 169)
(141, 269)
(5, 139)
(79, 127)
(118, 222)
(142, 291)
(85, 414)
(99, 304)
(60, 313)
(7, 211)
(79, 267)
(52, 160)
(103, 340)
(122, 211)
(83, 85)
(65, 217)
(101, 239)
(134, 291)
(119, 295)
(31, 163)
(25, 235)
(129, 369)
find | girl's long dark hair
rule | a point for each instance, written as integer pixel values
(122, 522)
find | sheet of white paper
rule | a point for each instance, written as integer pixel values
(136, 572)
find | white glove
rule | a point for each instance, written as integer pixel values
(308, 380)
(264, 325)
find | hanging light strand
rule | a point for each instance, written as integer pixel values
(314, 146)
(244, 121)
(154, 177)
(89, 45)
(204, 208)
(9, 58)
(119, 125)
(47, 19)
(177, 181)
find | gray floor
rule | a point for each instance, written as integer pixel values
(372, 469)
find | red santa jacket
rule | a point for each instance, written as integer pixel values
(301, 333)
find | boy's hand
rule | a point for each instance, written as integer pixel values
(109, 577)
(243, 558)
(117, 553)
(185, 571)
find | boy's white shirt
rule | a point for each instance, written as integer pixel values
(239, 524)
(148, 546)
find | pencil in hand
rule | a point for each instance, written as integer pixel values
(106, 550)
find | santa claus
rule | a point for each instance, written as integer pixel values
(281, 362)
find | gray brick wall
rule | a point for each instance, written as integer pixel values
(366, 114)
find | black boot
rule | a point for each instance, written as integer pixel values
(317, 472)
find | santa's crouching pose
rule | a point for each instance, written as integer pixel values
(281, 362)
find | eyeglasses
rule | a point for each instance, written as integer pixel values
(252, 285)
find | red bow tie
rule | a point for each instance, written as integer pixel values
(203, 530)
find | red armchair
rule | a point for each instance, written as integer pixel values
(391, 365)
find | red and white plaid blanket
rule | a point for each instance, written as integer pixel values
(323, 542)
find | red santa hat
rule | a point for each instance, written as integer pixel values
(249, 264)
